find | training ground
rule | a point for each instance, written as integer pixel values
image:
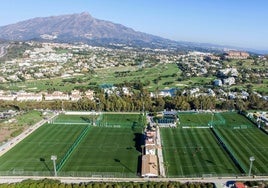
(214, 144)
(96, 145)
(109, 145)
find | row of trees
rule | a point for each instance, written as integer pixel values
(141, 101)
(57, 184)
(49, 183)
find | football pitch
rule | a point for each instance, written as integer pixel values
(110, 151)
(81, 149)
(244, 143)
(194, 152)
(223, 147)
(34, 152)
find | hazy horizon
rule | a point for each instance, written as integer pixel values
(229, 23)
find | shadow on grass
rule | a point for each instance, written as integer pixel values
(43, 160)
(86, 119)
(139, 165)
(139, 141)
(118, 161)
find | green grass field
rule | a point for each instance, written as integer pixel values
(100, 150)
(106, 151)
(235, 120)
(165, 74)
(245, 143)
(195, 119)
(121, 120)
(222, 120)
(34, 152)
(194, 152)
(112, 148)
(241, 137)
(75, 119)
(29, 118)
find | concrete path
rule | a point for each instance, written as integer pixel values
(160, 154)
(220, 182)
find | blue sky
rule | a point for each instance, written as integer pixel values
(242, 23)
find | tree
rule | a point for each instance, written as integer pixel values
(241, 105)
(255, 102)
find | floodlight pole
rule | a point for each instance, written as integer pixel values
(251, 162)
(54, 158)
(212, 115)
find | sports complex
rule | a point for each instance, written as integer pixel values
(110, 145)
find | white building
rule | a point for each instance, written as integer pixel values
(89, 94)
(7, 97)
(56, 95)
(23, 96)
(75, 95)
(229, 81)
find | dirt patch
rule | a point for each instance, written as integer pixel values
(5, 134)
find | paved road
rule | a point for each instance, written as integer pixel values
(3, 49)
(219, 182)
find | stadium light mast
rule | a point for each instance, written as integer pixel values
(251, 159)
(54, 158)
(211, 123)
(259, 123)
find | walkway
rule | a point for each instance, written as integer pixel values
(220, 182)
(160, 153)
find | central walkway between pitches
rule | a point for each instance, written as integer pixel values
(160, 153)
(162, 171)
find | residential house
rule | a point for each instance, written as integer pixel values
(229, 81)
(7, 97)
(89, 94)
(75, 95)
(236, 55)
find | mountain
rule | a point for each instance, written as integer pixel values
(76, 28)
(84, 28)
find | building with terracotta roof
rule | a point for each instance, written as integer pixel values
(236, 55)
(149, 166)
(239, 185)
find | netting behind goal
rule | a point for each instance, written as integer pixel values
(118, 120)
(98, 174)
(229, 150)
(219, 120)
